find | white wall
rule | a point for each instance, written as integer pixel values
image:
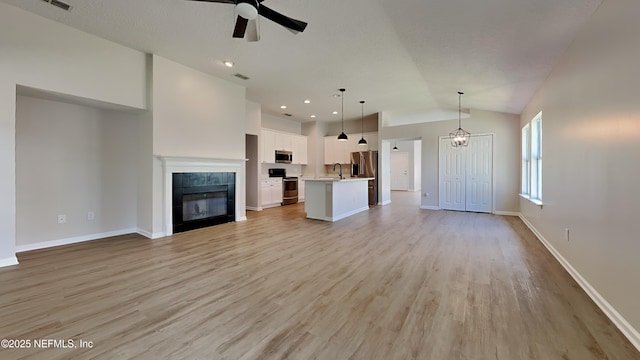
(417, 165)
(70, 160)
(315, 132)
(43, 54)
(281, 124)
(354, 126)
(195, 115)
(254, 118)
(591, 142)
(506, 147)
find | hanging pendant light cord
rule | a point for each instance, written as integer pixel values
(459, 97)
(342, 90)
(362, 119)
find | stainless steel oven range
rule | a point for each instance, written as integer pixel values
(289, 186)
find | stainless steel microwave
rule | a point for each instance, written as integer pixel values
(283, 156)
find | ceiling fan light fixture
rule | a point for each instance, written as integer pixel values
(247, 9)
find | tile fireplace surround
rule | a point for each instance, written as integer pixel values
(176, 164)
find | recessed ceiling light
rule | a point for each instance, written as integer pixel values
(312, 116)
(307, 101)
(228, 63)
(335, 113)
(283, 107)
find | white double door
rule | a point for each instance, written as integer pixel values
(466, 175)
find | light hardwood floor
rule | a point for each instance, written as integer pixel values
(395, 282)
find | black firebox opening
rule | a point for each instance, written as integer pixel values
(202, 199)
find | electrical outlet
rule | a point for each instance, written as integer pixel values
(62, 219)
(91, 216)
(566, 234)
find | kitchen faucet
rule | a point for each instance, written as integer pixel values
(334, 169)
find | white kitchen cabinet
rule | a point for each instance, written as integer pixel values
(271, 192)
(330, 150)
(299, 144)
(283, 141)
(301, 189)
(268, 146)
(273, 140)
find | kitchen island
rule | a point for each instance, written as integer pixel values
(332, 199)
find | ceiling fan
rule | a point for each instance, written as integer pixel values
(248, 10)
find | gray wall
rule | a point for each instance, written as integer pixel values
(506, 128)
(354, 126)
(70, 160)
(591, 141)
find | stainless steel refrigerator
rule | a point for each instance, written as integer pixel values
(364, 164)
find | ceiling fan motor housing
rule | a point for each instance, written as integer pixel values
(248, 9)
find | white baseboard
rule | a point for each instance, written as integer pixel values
(157, 235)
(271, 206)
(9, 261)
(242, 218)
(352, 212)
(149, 235)
(73, 240)
(508, 213)
(620, 322)
(385, 203)
(429, 207)
(253, 208)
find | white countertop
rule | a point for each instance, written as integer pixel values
(339, 180)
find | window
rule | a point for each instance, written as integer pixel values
(532, 160)
(526, 160)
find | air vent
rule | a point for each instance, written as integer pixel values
(240, 76)
(59, 4)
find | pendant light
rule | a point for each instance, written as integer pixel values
(342, 136)
(459, 137)
(362, 140)
(395, 148)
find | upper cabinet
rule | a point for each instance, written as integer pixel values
(284, 142)
(299, 145)
(268, 147)
(274, 140)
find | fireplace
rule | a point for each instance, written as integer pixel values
(202, 199)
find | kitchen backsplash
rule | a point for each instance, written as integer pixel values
(292, 170)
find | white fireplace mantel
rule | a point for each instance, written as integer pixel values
(179, 164)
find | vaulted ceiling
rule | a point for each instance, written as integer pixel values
(405, 58)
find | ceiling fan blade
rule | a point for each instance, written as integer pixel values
(241, 27)
(253, 33)
(217, 1)
(292, 24)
